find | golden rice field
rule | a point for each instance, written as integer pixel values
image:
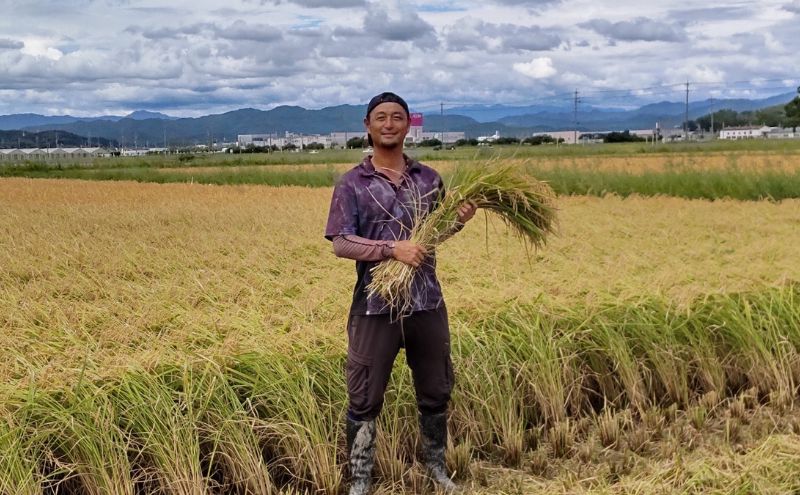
(747, 161)
(102, 279)
(121, 271)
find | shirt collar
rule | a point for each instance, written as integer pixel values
(368, 169)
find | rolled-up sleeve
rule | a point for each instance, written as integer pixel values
(343, 213)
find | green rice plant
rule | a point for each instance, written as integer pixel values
(398, 431)
(300, 428)
(648, 329)
(78, 430)
(544, 362)
(163, 430)
(680, 182)
(19, 457)
(608, 353)
(524, 204)
(705, 368)
(318, 177)
(753, 343)
(487, 403)
(226, 430)
(515, 372)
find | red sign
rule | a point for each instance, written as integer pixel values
(416, 120)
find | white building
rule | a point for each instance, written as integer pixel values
(444, 137)
(648, 134)
(569, 137)
(339, 139)
(781, 133)
(298, 140)
(489, 139)
(261, 140)
(38, 154)
(746, 132)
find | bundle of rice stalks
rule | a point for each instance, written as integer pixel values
(523, 203)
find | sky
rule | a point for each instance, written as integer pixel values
(191, 58)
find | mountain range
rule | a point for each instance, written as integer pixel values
(145, 128)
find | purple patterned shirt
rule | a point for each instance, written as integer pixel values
(366, 203)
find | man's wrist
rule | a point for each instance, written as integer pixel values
(388, 250)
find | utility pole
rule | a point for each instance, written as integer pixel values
(712, 118)
(441, 115)
(686, 117)
(575, 119)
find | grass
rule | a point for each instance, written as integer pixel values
(748, 170)
(20, 458)
(311, 178)
(688, 180)
(684, 183)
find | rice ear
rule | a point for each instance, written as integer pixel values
(523, 203)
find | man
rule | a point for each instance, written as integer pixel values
(372, 211)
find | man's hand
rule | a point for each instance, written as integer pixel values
(409, 253)
(466, 211)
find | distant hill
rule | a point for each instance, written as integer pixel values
(144, 115)
(667, 114)
(23, 120)
(493, 113)
(50, 139)
(154, 129)
(222, 127)
(33, 120)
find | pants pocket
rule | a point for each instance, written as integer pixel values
(358, 381)
(450, 377)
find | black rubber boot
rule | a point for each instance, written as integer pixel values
(361, 454)
(433, 430)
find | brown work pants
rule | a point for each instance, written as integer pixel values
(373, 344)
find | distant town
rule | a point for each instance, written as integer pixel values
(294, 142)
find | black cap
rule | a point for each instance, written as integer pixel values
(386, 97)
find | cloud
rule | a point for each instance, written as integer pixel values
(197, 58)
(241, 30)
(699, 15)
(397, 22)
(7, 44)
(166, 32)
(333, 4)
(528, 3)
(538, 68)
(469, 34)
(639, 29)
(531, 38)
(42, 48)
(793, 7)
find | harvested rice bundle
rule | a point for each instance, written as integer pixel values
(523, 203)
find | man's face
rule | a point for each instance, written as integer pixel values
(388, 125)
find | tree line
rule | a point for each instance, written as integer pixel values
(50, 139)
(776, 116)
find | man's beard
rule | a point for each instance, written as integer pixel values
(387, 145)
